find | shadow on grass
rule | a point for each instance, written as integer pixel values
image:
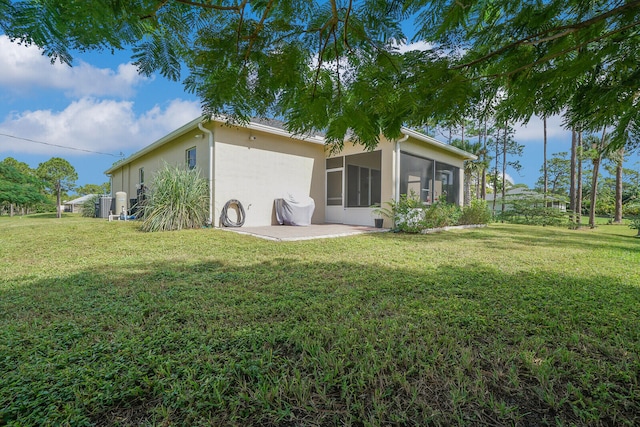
(299, 343)
(502, 236)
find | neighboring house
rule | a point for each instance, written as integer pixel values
(261, 162)
(534, 197)
(75, 205)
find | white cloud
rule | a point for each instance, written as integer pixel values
(175, 114)
(24, 69)
(97, 125)
(534, 130)
(420, 46)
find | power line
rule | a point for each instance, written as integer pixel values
(61, 146)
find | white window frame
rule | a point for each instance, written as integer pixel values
(188, 158)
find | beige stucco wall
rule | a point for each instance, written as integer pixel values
(252, 166)
(257, 167)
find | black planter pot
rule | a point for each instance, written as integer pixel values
(378, 222)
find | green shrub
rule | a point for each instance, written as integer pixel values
(88, 208)
(632, 208)
(441, 214)
(531, 211)
(407, 213)
(179, 199)
(634, 224)
(476, 213)
(410, 215)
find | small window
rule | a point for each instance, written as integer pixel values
(141, 175)
(334, 162)
(191, 158)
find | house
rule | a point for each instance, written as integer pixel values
(534, 198)
(75, 205)
(261, 162)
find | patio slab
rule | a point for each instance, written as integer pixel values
(287, 233)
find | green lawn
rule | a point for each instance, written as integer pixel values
(101, 324)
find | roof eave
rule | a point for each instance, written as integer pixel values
(315, 139)
(192, 125)
(425, 138)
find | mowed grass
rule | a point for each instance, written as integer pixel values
(101, 324)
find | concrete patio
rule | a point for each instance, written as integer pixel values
(286, 233)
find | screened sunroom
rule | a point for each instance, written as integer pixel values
(416, 165)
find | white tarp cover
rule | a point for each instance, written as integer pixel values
(294, 210)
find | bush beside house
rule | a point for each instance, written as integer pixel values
(410, 215)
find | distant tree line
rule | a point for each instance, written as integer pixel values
(25, 190)
(592, 176)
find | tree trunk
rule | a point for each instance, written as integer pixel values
(478, 176)
(467, 178)
(58, 196)
(483, 184)
(544, 160)
(11, 209)
(572, 173)
(467, 188)
(618, 213)
(495, 172)
(594, 191)
(504, 166)
(578, 211)
(594, 180)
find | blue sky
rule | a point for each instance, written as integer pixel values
(101, 104)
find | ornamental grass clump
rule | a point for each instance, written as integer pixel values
(179, 199)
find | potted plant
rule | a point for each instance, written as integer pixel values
(380, 214)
